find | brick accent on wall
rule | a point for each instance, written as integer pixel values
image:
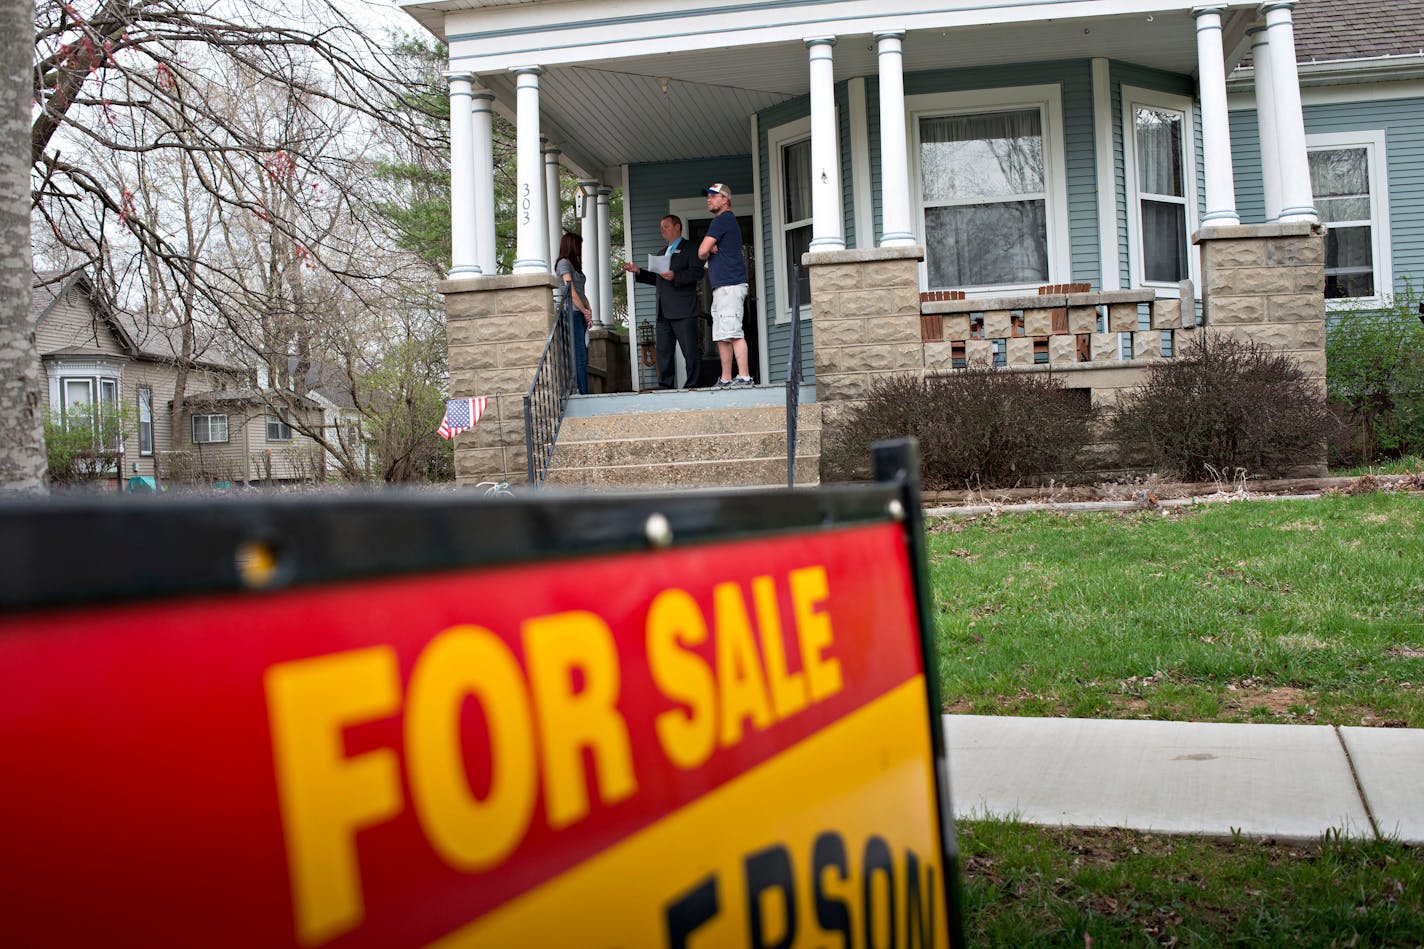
(496, 329)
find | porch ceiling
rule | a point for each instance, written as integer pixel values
(607, 112)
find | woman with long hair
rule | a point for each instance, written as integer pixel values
(578, 317)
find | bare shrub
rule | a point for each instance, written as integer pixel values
(977, 427)
(1224, 404)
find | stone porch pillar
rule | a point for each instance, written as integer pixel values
(866, 323)
(897, 228)
(531, 222)
(464, 255)
(1266, 122)
(496, 329)
(484, 182)
(1266, 282)
(827, 231)
(1216, 128)
(1297, 204)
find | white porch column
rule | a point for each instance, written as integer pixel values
(484, 182)
(464, 255)
(552, 199)
(589, 230)
(1297, 203)
(604, 313)
(1266, 121)
(827, 231)
(1216, 127)
(531, 243)
(897, 229)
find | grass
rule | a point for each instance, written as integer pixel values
(1409, 464)
(1294, 611)
(1035, 886)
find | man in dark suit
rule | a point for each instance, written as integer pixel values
(679, 304)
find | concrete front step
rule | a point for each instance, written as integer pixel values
(742, 473)
(670, 449)
(708, 443)
(682, 422)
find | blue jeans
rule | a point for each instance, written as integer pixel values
(577, 329)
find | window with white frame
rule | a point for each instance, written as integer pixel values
(93, 401)
(1159, 150)
(209, 428)
(992, 187)
(789, 155)
(1347, 178)
(278, 429)
(145, 420)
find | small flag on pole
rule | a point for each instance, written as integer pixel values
(461, 415)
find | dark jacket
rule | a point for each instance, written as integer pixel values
(678, 299)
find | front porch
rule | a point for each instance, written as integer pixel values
(933, 170)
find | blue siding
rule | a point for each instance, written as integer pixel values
(872, 121)
(1402, 121)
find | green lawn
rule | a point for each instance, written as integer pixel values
(1035, 886)
(1294, 611)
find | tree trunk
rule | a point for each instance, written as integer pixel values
(22, 454)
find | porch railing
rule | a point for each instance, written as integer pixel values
(546, 400)
(793, 376)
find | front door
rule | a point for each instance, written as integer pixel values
(711, 362)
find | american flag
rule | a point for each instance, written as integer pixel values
(461, 415)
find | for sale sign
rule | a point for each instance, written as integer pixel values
(729, 742)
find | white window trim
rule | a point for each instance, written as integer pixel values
(1373, 141)
(227, 429)
(1047, 98)
(776, 139)
(1133, 96)
(277, 417)
(138, 397)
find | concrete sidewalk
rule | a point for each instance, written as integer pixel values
(1285, 781)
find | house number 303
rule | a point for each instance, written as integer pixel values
(526, 204)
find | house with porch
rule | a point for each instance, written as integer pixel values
(1074, 186)
(102, 363)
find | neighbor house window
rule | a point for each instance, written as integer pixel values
(991, 187)
(1159, 151)
(278, 430)
(145, 420)
(209, 428)
(1347, 178)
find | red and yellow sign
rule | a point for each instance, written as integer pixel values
(720, 745)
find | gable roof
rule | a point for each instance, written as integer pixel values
(1334, 30)
(139, 339)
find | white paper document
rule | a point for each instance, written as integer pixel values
(659, 263)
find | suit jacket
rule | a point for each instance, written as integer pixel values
(678, 298)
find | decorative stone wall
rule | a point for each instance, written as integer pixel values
(496, 329)
(1267, 282)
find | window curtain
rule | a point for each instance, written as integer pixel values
(796, 183)
(987, 172)
(1340, 181)
(1159, 153)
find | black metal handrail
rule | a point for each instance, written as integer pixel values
(793, 376)
(546, 400)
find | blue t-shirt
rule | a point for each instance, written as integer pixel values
(726, 267)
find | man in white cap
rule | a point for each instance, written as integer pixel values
(727, 270)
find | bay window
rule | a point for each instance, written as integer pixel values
(991, 187)
(1159, 151)
(1347, 179)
